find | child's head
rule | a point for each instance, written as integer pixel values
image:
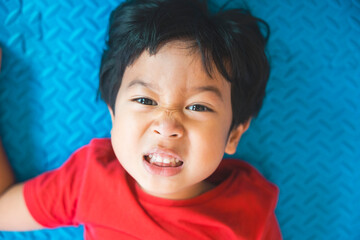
(181, 85)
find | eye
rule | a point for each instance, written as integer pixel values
(145, 101)
(199, 108)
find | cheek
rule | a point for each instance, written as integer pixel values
(126, 132)
(206, 151)
(209, 140)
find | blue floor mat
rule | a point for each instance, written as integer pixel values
(306, 138)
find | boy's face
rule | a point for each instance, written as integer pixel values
(171, 123)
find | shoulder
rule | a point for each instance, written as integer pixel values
(98, 154)
(98, 146)
(55, 197)
(99, 149)
(250, 198)
(248, 180)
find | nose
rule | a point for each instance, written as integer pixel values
(169, 127)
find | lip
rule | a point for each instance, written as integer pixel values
(165, 171)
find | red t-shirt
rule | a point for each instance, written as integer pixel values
(93, 189)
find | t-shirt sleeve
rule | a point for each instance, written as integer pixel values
(51, 197)
(268, 194)
(272, 229)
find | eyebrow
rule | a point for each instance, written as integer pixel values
(141, 83)
(209, 88)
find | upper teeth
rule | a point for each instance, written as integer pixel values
(161, 159)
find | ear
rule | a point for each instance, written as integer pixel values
(111, 113)
(234, 137)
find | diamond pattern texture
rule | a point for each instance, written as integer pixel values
(306, 138)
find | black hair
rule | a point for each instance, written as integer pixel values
(231, 40)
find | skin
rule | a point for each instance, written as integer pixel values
(168, 101)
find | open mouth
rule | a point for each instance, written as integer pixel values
(163, 161)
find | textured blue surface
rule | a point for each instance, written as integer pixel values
(306, 138)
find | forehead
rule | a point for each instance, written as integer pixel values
(174, 62)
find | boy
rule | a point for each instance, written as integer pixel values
(181, 86)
